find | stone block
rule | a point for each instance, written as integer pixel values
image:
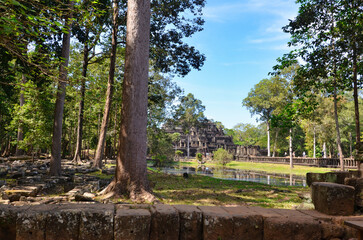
(333, 198)
(292, 228)
(8, 215)
(164, 222)
(27, 191)
(191, 222)
(65, 220)
(247, 224)
(97, 222)
(331, 230)
(132, 224)
(30, 224)
(217, 223)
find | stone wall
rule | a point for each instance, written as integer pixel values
(305, 161)
(115, 221)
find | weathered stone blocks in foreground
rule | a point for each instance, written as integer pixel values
(332, 198)
(100, 221)
(97, 222)
(217, 223)
(191, 222)
(247, 224)
(164, 222)
(292, 228)
(132, 224)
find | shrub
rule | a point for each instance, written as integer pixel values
(222, 156)
(199, 157)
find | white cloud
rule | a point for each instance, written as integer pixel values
(283, 8)
(274, 38)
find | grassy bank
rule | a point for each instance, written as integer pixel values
(202, 190)
(268, 167)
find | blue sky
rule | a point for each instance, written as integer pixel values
(241, 40)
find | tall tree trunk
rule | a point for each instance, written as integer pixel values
(115, 137)
(77, 154)
(275, 143)
(290, 149)
(338, 140)
(350, 145)
(188, 145)
(324, 150)
(55, 160)
(339, 145)
(20, 135)
(359, 151)
(268, 139)
(111, 74)
(314, 154)
(131, 175)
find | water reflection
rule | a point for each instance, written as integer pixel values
(240, 175)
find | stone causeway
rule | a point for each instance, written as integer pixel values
(95, 221)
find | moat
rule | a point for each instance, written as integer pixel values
(239, 175)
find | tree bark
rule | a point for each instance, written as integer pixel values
(55, 160)
(358, 154)
(188, 145)
(314, 154)
(324, 150)
(275, 143)
(77, 153)
(350, 145)
(268, 139)
(115, 137)
(131, 175)
(111, 74)
(20, 135)
(339, 145)
(290, 149)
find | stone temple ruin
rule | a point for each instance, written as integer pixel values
(209, 138)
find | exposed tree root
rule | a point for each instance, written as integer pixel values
(137, 194)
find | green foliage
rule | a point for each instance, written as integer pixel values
(41, 23)
(267, 96)
(171, 21)
(222, 156)
(199, 157)
(178, 152)
(35, 116)
(247, 134)
(189, 113)
(160, 147)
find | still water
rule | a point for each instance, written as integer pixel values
(240, 175)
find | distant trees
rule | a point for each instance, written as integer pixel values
(327, 39)
(309, 116)
(268, 96)
(247, 134)
(188, 114)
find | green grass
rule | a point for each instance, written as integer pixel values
(101, 175)
(203, 190)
